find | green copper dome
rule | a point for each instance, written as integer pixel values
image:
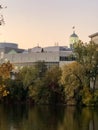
(73, 35)
(73, 38)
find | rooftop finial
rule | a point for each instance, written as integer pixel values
(73, 29)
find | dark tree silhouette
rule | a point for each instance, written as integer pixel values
(1, 16)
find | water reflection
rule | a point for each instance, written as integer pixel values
(24, 117)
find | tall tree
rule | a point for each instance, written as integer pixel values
(87, 56)
(73, 81)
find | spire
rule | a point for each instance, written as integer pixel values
(73, 29)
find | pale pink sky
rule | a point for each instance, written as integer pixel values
(45, 22)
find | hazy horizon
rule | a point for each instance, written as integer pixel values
(46, 22)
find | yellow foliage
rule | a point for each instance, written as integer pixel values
(87, 96)
(71, 76)
(5, 70)
(5, 93)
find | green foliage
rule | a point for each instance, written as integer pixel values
(87, 56)
(87, 97)
(77, 75)
(16, 91)
(41, 68)
(95, 98)
(72, 79)
(27, 75)
(74, 83)
(47, 89)
(52, 84)
(32, 79)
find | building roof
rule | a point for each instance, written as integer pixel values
(12, 52)
(55, 48)
(8, 44)
(49, 49)
(93, 35)
(74, 35)
(35, 49)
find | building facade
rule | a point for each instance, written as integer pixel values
(53, 55)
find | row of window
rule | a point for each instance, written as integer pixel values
(66, 58)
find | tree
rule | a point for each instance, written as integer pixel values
(85, 71)
(5, 70)
(36, 89)
(53, 90)
(32, 79)
(1, 16)
(41, 68)
(87, 56)
(73, 81)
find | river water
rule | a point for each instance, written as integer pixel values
(24, 117)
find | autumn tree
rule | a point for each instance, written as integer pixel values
(73, 81)
(77, 76)
(87, 56)
(31, 78)
(42, 83)
(5, 69)
(52, 91)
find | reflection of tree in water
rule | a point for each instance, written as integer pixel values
(93, 125)
(21, 117)
(51, 116)
(80, 119)
(13, 116)
(45, 117)
(24, 117)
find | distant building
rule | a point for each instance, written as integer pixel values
(54, 55)
(6, 47)
(51, 55)
(94, 37)
(35, 49)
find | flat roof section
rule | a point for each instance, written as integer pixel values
(93, 35)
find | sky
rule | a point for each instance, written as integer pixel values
(47, 22)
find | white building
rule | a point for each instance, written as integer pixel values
(51, 55)
(55, 55)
